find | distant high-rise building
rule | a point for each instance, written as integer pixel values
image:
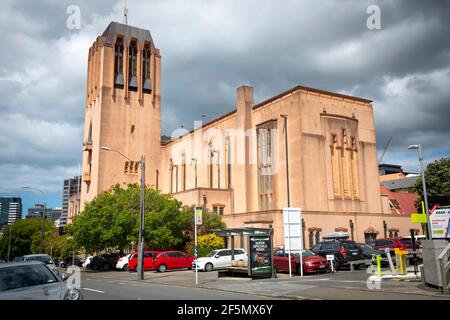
(50, 214)
(10, 210)
(71, 187)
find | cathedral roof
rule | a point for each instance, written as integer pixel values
(127, 31)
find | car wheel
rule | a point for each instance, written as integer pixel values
(162, 268)
(209, 267)
(125, 267)
(106, 267)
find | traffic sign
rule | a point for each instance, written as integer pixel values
(198, 216)
(418, 218)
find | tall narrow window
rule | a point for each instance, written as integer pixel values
(228, 159)
(118, 64)
(157, 180)
(171, 175)
(211, 169)
(354, 163)
(176, 178)
(311, 239)
(132, 66)
(265, 138)
(317, 236)
(183, 173)
(346, 165)
(146, 81)
(336, 166)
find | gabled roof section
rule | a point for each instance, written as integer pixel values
(405, 201)
(115, 28)
(319, 91)
(408, 182)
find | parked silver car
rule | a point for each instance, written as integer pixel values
(34, 280)
(44, 258)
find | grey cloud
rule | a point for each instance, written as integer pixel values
(211, 47)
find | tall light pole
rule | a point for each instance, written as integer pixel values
(424, 185)
(141, 212)
(42, 215)
(9, 242)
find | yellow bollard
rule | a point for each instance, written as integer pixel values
(400, 261)
(379, 266)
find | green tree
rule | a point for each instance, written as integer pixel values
(437, 177)
(25, 237)
(111, 220)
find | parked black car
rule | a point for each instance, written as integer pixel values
(104, 262)
(344, 251)
(371, 253)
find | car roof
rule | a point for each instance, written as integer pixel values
(36, 255)
(18, 264)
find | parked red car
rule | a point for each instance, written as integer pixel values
(312, 263)
(148, 260)
(391, 243)
(172, 260)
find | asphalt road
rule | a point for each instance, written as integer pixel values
(180, 285)
(123, 286)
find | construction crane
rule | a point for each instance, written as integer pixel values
(386, 146)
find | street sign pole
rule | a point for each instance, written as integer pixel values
(195, 246)
(301, 246)
(289, 247)
(198, 220)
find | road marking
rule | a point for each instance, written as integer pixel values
(93, 290)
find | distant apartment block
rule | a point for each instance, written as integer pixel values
(71, 188)
(10, 210)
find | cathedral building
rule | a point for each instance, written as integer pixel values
(321, 144)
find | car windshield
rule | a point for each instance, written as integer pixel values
(25, 276)
(212, 253)
(306, 253)
(44, 259)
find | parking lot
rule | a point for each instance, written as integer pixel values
(179, 284)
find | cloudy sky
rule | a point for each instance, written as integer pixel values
(208, 49)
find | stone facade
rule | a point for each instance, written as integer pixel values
(236, 164)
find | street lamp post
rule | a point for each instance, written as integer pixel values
(42, 216)
(424, 185)
(141, 212)
(9, 242)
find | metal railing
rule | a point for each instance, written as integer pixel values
(444, 264)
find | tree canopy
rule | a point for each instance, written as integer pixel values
(437, 177)
(25, 237)
(111, 220)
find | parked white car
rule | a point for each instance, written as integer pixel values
(122, 264)
(87, 262)
(218, 259)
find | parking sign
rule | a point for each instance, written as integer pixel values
(198, 216)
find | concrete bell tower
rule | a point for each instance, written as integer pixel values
(123, 110)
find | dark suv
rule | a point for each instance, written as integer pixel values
(344, 251)
(104, 262)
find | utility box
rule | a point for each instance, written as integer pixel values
(431, 249)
